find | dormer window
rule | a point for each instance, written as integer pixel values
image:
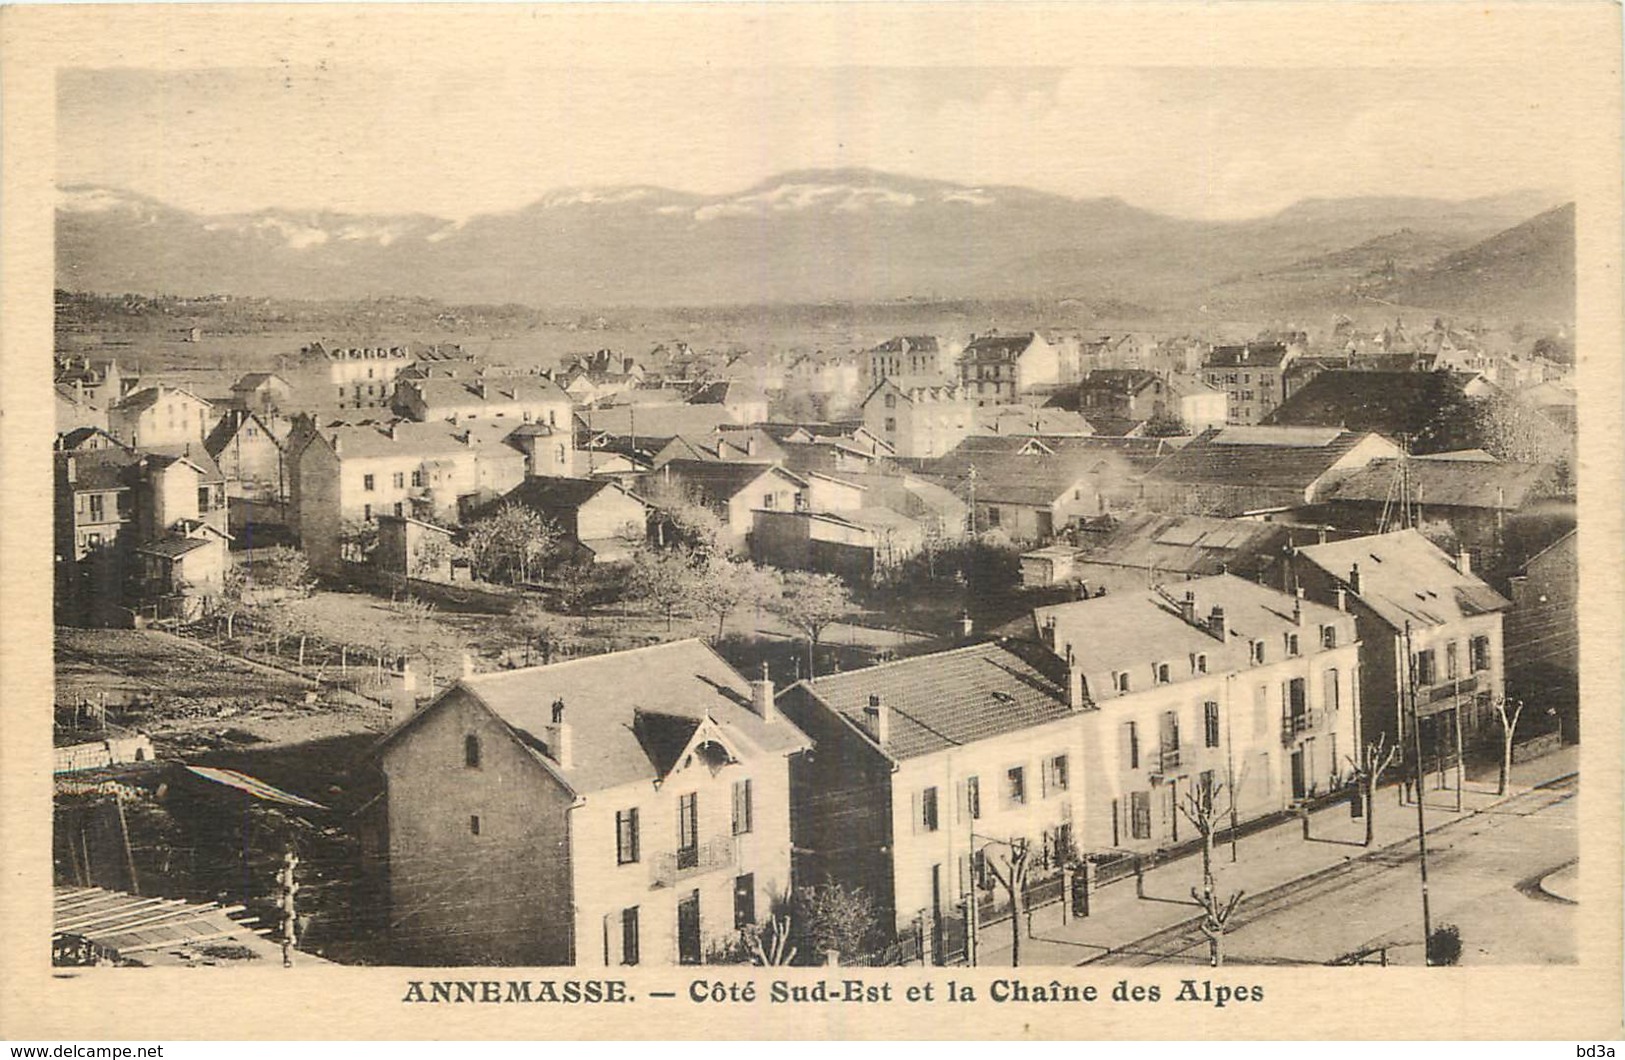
(1328, 637)
(1292, 644)
(1199, 665)
(1161, 670)
(1258, 653)
(1122, 683)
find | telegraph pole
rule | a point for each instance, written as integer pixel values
(1421, 816)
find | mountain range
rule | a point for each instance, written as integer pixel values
(801, 237)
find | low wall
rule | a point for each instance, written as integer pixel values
(1537, 747)
(103, 753)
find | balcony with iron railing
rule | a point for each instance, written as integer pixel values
(1295, 725)
(672, 867)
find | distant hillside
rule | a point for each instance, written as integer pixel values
(803, 237)
(1526, 272)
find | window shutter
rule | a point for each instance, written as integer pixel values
(918, 812)
(961, 801)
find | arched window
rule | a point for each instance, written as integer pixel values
(471, 751)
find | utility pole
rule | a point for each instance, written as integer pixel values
(289, 887)
(1421, 816)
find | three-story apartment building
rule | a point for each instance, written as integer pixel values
(565, 815)
(1085, 739)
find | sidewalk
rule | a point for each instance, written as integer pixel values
(1265, 860)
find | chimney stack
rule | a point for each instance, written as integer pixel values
(403, 697)
(1464, 561)
(1216, 625)
(877, 716)
(1354, 579)
(761, 696)
(557, 734)
(1187, 607)
(966, 626)
(1074, 681)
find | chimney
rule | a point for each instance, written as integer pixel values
(558, 737)
(403, 694)
(468, 665)
(966, 626)
(1216, 626)
(1187, 608)
(1354, 578)
(761, 696)
(1297, 607)
(877, 717)
(1464, 561)
(1074, 681)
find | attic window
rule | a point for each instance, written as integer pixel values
(1004, 697)
(471, 751)
(1200, 665)
(1258, 652)
(1162, 673)
(1122, 682)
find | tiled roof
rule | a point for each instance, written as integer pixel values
(1131, 631)
(1450, 483)
(550, 495)
(718, 480)
(949, 699)
(1390, 403)
(726, 392)
(503, 390)
(423, 440)
(624, 729)
(145, 398)
(196, 455)
(102, 469)
(1121, 381)
(1247, 355)
(1027, 421)
(990, 348)
(660, 421)
(1193, 544)
(908, 343)
(174, 547)
(1404, 577)
(1262, 456)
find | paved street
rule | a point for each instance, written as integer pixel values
(1318, 900)
(1483, 874)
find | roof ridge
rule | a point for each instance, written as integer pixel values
(491, 675)
(963, 648)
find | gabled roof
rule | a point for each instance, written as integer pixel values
(254, 380)
(1391, 403)
(726, 392)
(197, 456)
(1120, 381)
(1262, 456)
(1449, 483)
(422, 440)
(551, 495)
(1404, 577)
(949, 699)
(625, 730)
(147, 397)
(232, 422)
(1028, 421)
(660, 421)
(720, 480)
(72, 440)
(174, 547)
(102, 469)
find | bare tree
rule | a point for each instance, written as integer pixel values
(723, 586)
(1508, 711)
(1010, 868)
(1376, 757)
(1201, 808)
(666, 579)
(811, 603)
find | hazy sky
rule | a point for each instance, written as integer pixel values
(1216, 143)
